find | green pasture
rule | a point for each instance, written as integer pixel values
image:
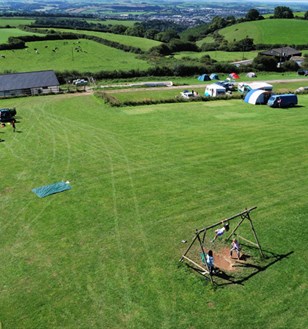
(15, 21)
(142, 43)
(5, 33)
(113, 22)
(269, 31)
(83, 55)
(106, 253)
(220, 56)
(207, 39)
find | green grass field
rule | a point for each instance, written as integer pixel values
(142, 43)
(15, 21)
(13, 32)
(113, 22)
(141, 95)
(105, 254)
(94, 57)
(269, 31)
(220, 56)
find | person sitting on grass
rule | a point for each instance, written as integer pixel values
(221, 231)
(235, 246)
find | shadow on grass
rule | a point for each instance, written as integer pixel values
(248, 270)
(254, 269)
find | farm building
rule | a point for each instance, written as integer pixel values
(282, 54)
(28, 83)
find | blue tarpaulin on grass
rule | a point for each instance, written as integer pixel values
(51, 189)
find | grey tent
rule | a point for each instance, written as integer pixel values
(251, 75)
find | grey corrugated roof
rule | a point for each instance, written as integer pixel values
(23, 80)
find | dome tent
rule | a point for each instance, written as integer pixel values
(204, 77)
(257, 96)
(234, 76)
(251, 75)
(214, 76)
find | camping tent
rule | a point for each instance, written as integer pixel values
(214, 90)
(214, 76)
(257, 96)
(251, 75)
(204, 77)
(234, 76)
(245, 87)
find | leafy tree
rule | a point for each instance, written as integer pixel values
(167, 36)
(290, 66)
(118, 29)
(137, 31)
(265, 63)
(150, 33)
(252, 15)
(245, 44)
(305, 64)
(179, 45)
(160, 50)
(283, 12)
(306, 15)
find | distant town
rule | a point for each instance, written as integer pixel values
(180, 12)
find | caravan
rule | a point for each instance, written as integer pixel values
(214, 90)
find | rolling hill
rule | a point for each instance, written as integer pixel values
(269, 31)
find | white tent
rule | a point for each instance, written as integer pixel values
(251, 75)
(245, 87)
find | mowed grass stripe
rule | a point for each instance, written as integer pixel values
(184, 166)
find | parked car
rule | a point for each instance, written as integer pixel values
(7, 115)
(80, 82)
(302, 72)
(189, 94)
(285, 100)
(228, 85)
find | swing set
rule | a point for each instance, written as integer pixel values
(199, 241)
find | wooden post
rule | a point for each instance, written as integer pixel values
(204, 255)
(255, 234)
(236, 227)
(192, 242)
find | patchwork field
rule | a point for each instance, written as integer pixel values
(12, 32)
(15, 21)
(106, 253)
(59, 55)
(142, 43)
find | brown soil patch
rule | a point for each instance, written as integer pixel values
(223, 260)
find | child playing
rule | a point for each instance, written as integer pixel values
(210, 261)
(235, 246)
(220, 231)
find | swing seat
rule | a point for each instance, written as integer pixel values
(203, 259)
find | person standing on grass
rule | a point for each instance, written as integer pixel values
(13, 125)
(235, 246)
(210, 261)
